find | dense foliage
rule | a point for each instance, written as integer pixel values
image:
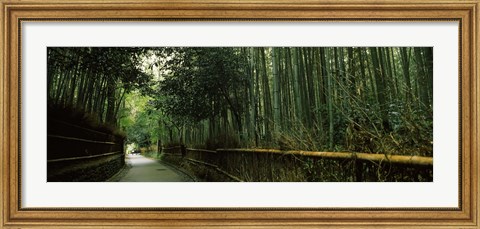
(376, 99)
(333, 99)
(94, 80)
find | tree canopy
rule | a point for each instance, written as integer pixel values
(375, 99)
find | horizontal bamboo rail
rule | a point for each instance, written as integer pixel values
(79, 153)
(216, 168)
(202, 150)
(395, 159)
(80, 139)
(173, 154)
(173, 147)
(221, 159)
(79, 127)
(84, 157)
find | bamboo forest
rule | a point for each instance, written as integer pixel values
(278, 114)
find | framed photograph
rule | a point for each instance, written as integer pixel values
(239, 114)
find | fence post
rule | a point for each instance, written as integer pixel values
(183, 150)
(122, 149)
(358, 169)
(159, 147)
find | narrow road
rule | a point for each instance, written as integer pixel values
(142, 169)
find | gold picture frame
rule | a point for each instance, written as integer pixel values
(14, 12)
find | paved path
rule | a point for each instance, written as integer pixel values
(142, 169)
